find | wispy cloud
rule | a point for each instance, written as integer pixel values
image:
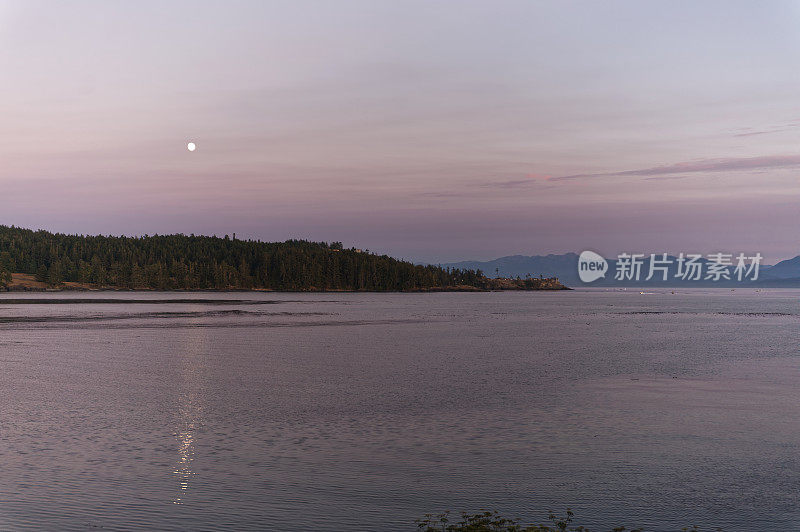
(529, 179)
(512, 183)
(751, 132)
(731, 164)
(764, 132)
(440, 195)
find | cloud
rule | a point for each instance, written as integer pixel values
(440, 195)
(750, 132)
(731, 164)
(530, 179)
(765, 132)
(513, 183)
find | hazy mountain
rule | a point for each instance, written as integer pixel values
(565, 267)
(786, 269)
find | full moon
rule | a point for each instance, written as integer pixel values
(191, 146)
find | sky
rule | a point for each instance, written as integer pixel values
(433, 131)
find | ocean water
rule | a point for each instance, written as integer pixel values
(365, 411)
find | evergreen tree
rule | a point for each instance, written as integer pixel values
(195, 262)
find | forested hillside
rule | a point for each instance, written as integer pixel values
(199, 262)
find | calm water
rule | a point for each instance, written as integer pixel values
(365, 411)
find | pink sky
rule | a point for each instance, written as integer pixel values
(433, 131)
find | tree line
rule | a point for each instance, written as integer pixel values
(174, 262)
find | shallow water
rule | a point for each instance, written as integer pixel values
(365, 411)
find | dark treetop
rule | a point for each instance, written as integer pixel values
(200, 262)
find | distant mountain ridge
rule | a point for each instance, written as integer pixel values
(565, 266)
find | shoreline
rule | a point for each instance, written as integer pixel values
(18, 290)
(22, 282)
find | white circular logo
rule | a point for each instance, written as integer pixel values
(591, 266)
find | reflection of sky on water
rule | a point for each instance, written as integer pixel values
(190, 409)
(338, 426)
